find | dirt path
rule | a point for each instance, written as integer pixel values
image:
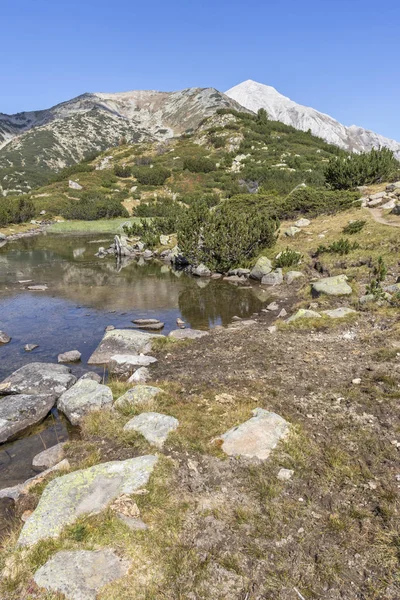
(379, 218)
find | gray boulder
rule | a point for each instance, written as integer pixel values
(339, 313)
(257, 437)
(84, 492)
(125, 364)
(292, 231)
(4, 338)
(155, 427)
(201, 271)
(262, 267)
(68, 357)
(141, 375)
(84, 397)
(153, 326)
(20, 411)
(74, 185)
(136, 396)
(333, 286)
(122, 341)
(302, 223)
(274, 278)
(187, 334)
(49, 457)
(40, 378)
(80, 574)
(303, 313)
(292, 276)
(146, 321)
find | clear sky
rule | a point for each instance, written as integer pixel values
(341, 57)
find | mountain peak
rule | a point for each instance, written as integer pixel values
(253, 96)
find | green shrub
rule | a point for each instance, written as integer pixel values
(288, 258)
(16, 210)
(162, 207)
(94, 205)
(354, 227)
(342, 247)
(314, 202)
(199, 164)
(361, 169)
(122, 171)
(148, 176)
(149, 231)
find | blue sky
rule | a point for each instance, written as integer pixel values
(340, 56)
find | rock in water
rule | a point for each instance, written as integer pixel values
(49, 457)
(20, 411)
(40, 378)
(146, 321)
(153, 326)
(84, 492)
(122, 341)
(155, 427)
(30, 347)
(70, 356)
(201, 271)
(84, 397)
(257, 437)
(333, 286)
(136, 396)
(4, 338)
(262, 267)
(80, 574)
(187, 334)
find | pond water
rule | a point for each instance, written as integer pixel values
(85, 294)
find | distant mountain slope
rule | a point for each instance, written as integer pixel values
(32, 144)
(254, 96)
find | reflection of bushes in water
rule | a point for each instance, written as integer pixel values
(204, 305)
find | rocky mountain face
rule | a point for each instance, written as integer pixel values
(32, 144)
(254, 96)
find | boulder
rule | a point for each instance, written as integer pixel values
(333, 286)
(20, 411)
(122, 341)
(141, 375)
(40, 378)
(389, 205)
(84, 397)
(201, 271)
(304, 314)
(49, 457)
(291, 231)
(80, 574)
(302, 223)
(274, 278)
(140, 394)
(146, 321)
(292, 276)
(155, 427)
(84, 492)
(4, 338)
(187, 334)
(70, 356)
(74, 185)
(257, 437)
(377, 196)
(393, 186)
(262, 267)
(396, 210)
(125, 364)
(91, 375)
(339, 313)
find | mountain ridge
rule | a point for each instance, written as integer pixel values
(254, 95)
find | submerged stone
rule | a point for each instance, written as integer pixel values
(84, 492)
(257, 437)
(80, 574)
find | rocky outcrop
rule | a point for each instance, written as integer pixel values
(84, 492)
(155, 427)
(80, 574)
(39, 378)
(84, 397)
(257, 437)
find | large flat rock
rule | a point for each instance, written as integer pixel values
(84, 492)
(80, 574)
(333, 286)
(84, 397)
(257, 437)
(39, 378)
(122, 341)
(140, 394)
(187, 334)
(155, 427)
(20, 411)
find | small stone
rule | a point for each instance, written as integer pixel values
(303, 223)
(69, 357)
(4, 338)
(124, 364)
(133, 523)
(30, 347)
(356, 381)
(153, 326)
(80, 574)
(285, 474)
(180, 322)
(74, 185)
(262, 267)
(273, 306)
(292, 231)
(272, 329)
(146, 321)
(303, 313)
(282, 314)
(109, 328)
(274, 278)
(49, 457)
(201, 271)
(91, 375)
(141, 375)
(155, 427)
(37, 288)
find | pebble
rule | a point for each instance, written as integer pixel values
(356, 381)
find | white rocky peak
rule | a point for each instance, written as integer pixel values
(253, 96)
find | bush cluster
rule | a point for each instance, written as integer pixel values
(92, 206)
(147, 176)
(16, 210)
(361, 169)
(199, 164)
